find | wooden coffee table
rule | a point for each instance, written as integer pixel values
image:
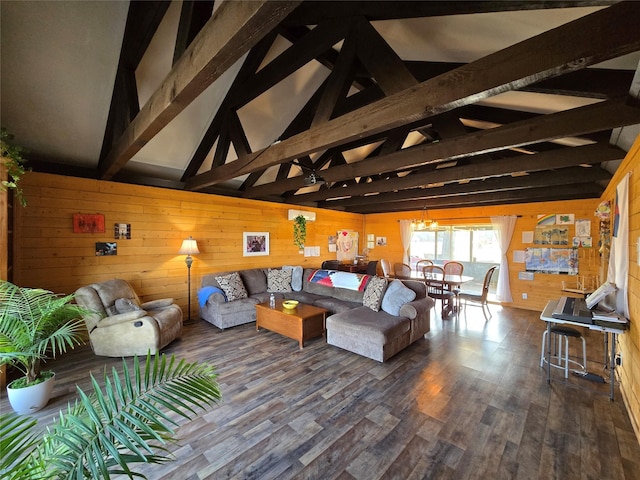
(301, 323)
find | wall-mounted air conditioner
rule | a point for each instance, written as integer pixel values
(309, 216)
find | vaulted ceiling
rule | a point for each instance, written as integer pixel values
(389, 106)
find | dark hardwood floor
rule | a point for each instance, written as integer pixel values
(467, 401)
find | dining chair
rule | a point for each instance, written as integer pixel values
(401, 270)
(480, 299)
(436, 286)
(372, 267)
(454, 268)
(385, 266)
(422, 263)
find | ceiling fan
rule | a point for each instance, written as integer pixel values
(313, 178)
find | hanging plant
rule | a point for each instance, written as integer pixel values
(299, 231)
(11, 157)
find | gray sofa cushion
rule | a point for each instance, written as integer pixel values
(254, 279)
(397, 294)
(336, 305)
(368, 327)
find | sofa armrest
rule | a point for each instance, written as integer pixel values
(155, 304)
(121, 318)
(216, 298)
(416, 308)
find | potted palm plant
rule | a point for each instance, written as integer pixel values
(107, 430)
(35, 324)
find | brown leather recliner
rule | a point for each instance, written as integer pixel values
(120, 326)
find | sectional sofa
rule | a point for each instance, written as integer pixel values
(368, 315)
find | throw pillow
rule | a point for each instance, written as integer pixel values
(396, 296)
(232, 286)
(296, 277)
(279, 280)
(125, 305)
(373, 293)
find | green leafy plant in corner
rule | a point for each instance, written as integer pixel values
(131, 420)
(36, 324)
(299, 231)
(11, 157)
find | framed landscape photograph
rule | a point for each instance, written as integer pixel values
(255, 244)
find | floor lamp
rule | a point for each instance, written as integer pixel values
(189, 247)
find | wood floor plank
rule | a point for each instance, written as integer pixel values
(468, 401)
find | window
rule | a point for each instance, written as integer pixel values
(475, 246)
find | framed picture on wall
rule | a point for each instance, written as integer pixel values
(255, 244)
(88, 223)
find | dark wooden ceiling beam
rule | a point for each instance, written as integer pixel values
(384, 64)
(193, 17)
(605, 34)
(231, 32)
(338, 84)
(529, 195)
(551, 178)
(249, 66)
(597, 117)
(310, 12)
(560, 158)
(313, 44)
(143, 19)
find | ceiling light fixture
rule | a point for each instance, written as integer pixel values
(423, 224)
(313, 179)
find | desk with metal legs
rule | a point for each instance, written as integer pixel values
(547, 317)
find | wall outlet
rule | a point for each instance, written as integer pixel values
(524, 296)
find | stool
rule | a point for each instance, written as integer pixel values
(563, 332)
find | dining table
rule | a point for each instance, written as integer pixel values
(451, 281)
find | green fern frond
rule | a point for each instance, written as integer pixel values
(127, 423)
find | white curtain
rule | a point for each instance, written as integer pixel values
(405, 238)
(503, 228)
(619, 256)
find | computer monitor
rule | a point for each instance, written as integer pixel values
(600, 294)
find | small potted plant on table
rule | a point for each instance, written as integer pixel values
(35, 324)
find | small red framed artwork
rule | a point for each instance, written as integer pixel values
(88, 223)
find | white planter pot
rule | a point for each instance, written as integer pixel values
(30, 399)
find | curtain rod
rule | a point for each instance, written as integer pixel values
(460, 218)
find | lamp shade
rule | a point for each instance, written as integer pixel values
(189, 247)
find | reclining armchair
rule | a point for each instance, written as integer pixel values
(120, 326)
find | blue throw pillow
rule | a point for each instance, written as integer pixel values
(396, 296)
(205, 292)
(296, 277)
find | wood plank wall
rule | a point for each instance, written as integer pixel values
(629, 343)
(49, 255)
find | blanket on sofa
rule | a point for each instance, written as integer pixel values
(334, 278)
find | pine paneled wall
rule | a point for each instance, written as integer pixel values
(49, 255)
(629, 343)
